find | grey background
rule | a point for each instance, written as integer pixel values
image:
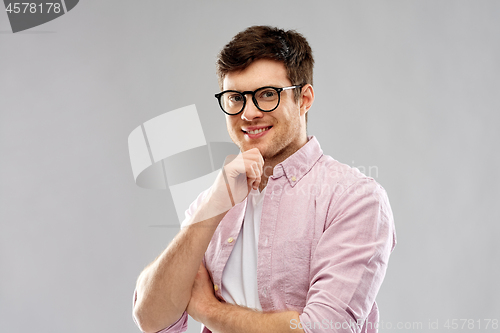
(409, 88)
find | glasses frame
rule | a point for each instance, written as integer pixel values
(244, 93)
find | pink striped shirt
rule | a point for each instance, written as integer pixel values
(326, 234)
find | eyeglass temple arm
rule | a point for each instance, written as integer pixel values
(293, 87)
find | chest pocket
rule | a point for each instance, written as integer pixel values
(297, 262)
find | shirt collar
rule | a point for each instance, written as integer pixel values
(297, 165)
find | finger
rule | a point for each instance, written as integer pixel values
(257, 155)
(257, 171)
(259, 159)
(251, 175)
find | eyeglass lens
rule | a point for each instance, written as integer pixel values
(266, 99)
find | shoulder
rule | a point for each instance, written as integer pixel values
(347, 189)
(342, 176)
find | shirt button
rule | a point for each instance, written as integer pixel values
(216, 287)
(230, 240)
(293, 178)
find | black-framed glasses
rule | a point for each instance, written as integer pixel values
(266, 99)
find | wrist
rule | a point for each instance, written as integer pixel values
(212, 313)
(210, 211)
(220, 198)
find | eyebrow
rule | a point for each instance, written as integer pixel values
(266, 85)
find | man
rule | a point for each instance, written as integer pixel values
(286, 239)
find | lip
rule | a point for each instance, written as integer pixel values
(253, 128)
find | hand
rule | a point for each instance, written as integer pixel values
(240, 174)
(202, 295)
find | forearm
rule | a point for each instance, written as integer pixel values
(164, 287)
(228, 318)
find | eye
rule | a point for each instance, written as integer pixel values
(267, 94)
(235, 98)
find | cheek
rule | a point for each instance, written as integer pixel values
(287, 119)
(231, 125)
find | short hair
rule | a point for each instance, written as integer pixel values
(265, 42)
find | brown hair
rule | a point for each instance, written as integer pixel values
(265, 42)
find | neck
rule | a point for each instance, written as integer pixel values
(271, 162)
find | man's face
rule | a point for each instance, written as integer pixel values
(284, 128)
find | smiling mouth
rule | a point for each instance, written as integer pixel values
(258, 131)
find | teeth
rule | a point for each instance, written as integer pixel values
(258, 131)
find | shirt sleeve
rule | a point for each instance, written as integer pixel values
(349, 262)
(179, 326)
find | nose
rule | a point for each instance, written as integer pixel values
(251, 112)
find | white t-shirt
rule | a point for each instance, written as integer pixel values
(239, 278)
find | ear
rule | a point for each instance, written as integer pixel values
(307, 99)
